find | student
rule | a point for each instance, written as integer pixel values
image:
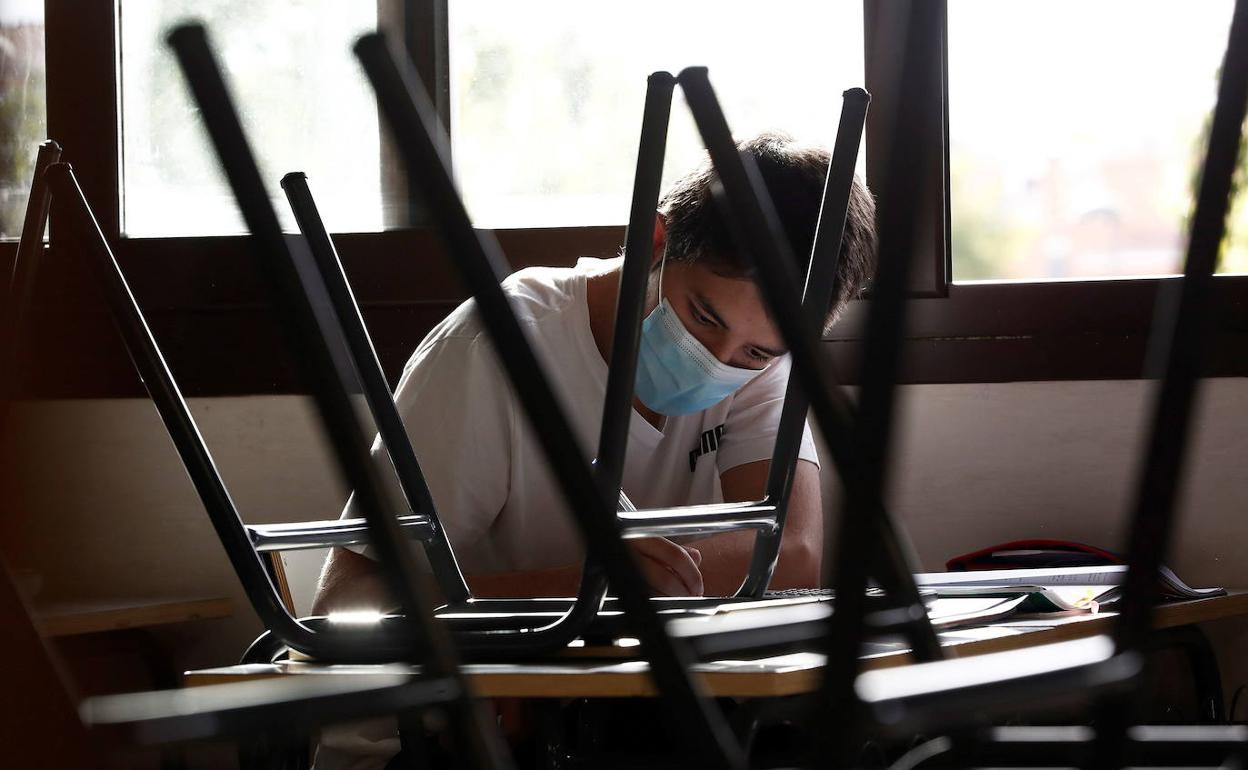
(711, 377)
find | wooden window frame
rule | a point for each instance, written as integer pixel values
(208, 308)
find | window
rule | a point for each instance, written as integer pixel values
(303, 100)
(1074, 147)
(546, 107)
(543, 102)
(23, 114)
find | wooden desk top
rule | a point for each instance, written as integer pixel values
(748, 678)
(75, 618)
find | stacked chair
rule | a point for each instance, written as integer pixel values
(87, 732)
(955, 700)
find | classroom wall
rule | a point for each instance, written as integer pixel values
(106, 510)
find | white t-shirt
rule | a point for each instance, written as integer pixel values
(501, 507)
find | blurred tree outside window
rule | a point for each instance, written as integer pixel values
(23, 110)
(1076, 131)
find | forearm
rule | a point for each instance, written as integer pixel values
(348, 582)
(726, 560)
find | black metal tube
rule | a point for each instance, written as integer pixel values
(904, 176)
(617, 408)
(20, 287)
(376, 389)
(307, 312)
(617, 404)
(1181, 325)
(1179, 336)
(904, 172)
(482, 266)
(816, 298)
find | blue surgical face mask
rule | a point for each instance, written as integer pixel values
(676, 374)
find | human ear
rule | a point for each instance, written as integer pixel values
(660, 239)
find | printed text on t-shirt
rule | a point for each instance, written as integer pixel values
(707, 444)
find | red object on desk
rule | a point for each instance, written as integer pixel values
(1033, 554)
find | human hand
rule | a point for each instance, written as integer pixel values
(671, 569)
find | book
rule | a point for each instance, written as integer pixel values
(1056, 588)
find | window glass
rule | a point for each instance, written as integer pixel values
(303, 99)
(1076, 131)
(23, 112)
(547, 96)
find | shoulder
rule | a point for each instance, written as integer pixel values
(547, 298)
(538, 293)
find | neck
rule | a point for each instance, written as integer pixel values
(602, 292)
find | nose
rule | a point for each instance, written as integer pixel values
(723, 349)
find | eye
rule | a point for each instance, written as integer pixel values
(757, 355)
(700, 316)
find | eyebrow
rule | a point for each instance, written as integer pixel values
(710, 310)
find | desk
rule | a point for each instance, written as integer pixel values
(60, 619)
(768, 677)
(123, 626)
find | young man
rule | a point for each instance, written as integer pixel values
(711, 378)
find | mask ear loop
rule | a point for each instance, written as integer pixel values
(662, 264)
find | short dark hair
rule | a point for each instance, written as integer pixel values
(794, 174)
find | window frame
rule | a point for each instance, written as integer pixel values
(208, 308)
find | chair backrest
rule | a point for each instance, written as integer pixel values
(358, 348)
(768, 519)
(817, 295)
(51, 722)
(180, 424)
(20, 285)
(816, 298)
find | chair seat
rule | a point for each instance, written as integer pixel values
(299, 535)
(933, 696)
(258, 708)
